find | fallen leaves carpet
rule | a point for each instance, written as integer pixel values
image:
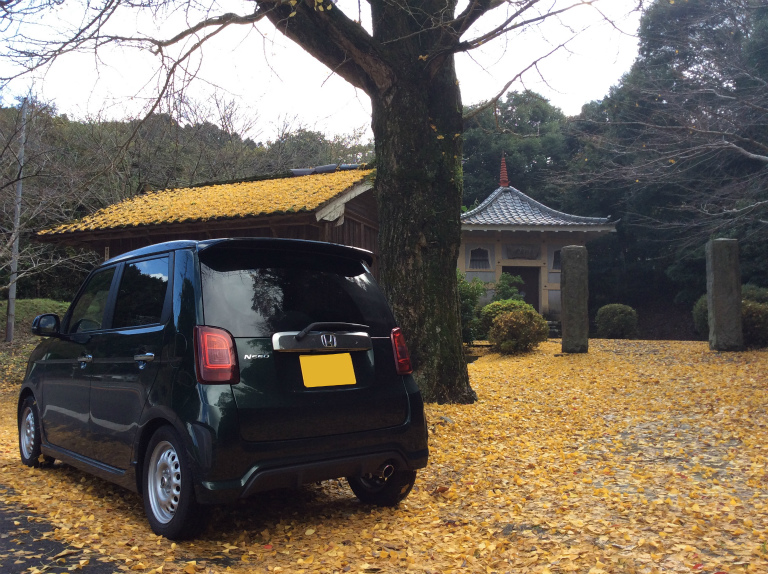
(640, 456)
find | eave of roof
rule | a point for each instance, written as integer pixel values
(323, 194)
(609, 228)
(508, 207)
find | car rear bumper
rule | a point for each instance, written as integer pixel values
(262, 478)
(230, 470)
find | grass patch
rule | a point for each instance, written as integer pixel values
(27, 310)
(13, 356)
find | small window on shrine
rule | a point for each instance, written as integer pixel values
(556, 260)
(478, 259)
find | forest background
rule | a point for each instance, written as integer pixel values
(677, 151)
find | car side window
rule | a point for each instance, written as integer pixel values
(141, 295)
(88, 311)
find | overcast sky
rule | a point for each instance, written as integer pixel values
(274, 80)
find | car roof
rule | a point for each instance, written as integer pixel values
(270, 243)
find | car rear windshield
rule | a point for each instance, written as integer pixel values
(255, 293)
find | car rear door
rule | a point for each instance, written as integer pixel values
(312, 334)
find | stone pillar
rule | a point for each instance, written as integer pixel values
(724, 295)
(574, 297)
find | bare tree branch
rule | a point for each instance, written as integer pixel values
(340, 43)
(510, 24)
(494, 100)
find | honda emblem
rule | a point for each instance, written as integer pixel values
(328, 339)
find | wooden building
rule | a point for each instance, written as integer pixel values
(511, 233)
(508, 233)
(338, 207)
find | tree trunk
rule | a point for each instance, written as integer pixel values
(407, 69)
(417, 126)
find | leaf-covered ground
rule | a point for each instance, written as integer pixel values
(636, 457)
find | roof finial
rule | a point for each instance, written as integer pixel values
(504, 180)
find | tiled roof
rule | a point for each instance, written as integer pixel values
(508, 206)
(245, 199)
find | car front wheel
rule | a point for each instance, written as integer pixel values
(381, 491)
(169, 496)
(30, 435)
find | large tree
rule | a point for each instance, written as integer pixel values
(404, 61)
(685, 135)
(679, 151)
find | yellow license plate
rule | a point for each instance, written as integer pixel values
(327, 370)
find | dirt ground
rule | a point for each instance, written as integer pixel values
(639, 456)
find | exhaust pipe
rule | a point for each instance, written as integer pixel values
(385, 471)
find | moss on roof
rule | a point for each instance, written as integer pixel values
(245, 199)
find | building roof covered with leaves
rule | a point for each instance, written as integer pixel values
(311, 193)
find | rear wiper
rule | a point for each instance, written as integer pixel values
(329, 326)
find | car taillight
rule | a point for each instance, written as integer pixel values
(216, 358)
(402, 357)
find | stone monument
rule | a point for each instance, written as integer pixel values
(574, 299)
(724, 295)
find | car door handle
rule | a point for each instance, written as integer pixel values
(143, 359)
(84, 360)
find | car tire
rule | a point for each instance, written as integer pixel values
(30, 433)
(381, 491)
(168, 490)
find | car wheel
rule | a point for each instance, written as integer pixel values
(381, 491)
(29, 435)
(169, 496)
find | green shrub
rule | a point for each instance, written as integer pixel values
(701, 317)
(616, 321)
(754, 323)
(518, 331)
(506, 287)
(754, 317)
(751, 292)
(469, 294)
(492, 310)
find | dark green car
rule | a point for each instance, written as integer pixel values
(200, 372)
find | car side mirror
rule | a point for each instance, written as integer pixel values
(47, 325)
